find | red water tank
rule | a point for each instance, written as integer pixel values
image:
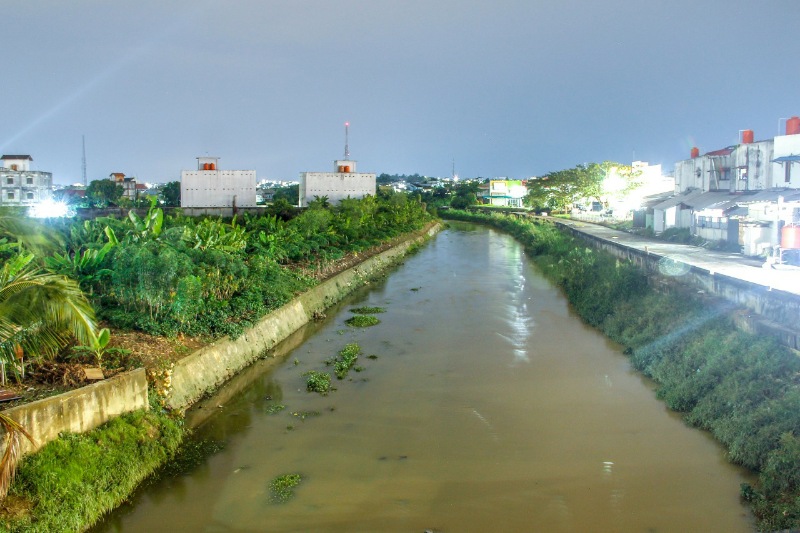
(790, 237)
(747, 136)
(347, 168)
(205, 166)
(212, 166)
(793, 126)
(695, 152)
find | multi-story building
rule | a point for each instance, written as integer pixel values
(21, 186)
(210, 187)
(505, 192)
(343, 182)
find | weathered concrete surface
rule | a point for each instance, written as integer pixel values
(82, 409)
(206, 369)
(772, 297)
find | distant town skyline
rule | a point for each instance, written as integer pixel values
(511, 88)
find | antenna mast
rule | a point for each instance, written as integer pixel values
(346, 146)
(83, 166)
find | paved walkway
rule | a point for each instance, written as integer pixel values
(784, 278)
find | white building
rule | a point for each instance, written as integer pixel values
(210, 187)
(343, 182)
(21, 186)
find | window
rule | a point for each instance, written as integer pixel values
(29, 196)
(10, 195)
(29, 181)
(10, 181)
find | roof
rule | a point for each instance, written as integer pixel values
(714, 200)
(29, 158)
(787, 159)
(724, 151)
(678, 199)
(770, 195)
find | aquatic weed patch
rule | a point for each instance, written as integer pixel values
(274, 408)
(345, 360)
(366, 310)
(281, 488)
(362, 321)
(318, 381)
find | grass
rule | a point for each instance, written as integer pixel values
(72, 481)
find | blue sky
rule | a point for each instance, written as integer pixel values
(504, 88)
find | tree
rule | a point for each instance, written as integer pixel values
(171, 194)
(104, 192)
(290, 193)
(39, 314)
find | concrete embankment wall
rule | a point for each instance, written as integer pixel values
(771, 311)
(82, 409)
(86, 408)
(209, 367)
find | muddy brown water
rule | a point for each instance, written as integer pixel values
(490, 407)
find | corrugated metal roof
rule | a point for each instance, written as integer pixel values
(770, 195)
(17, 157)
(724, 151)
(678, 199)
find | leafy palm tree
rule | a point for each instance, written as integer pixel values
(39, 314)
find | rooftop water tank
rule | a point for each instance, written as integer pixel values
(793, 126)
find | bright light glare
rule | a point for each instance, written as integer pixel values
(48, 209)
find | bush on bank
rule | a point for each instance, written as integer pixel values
(743, 388)
(169, 275)
(73, 481)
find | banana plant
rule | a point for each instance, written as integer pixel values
(149, 226)
(83, 265)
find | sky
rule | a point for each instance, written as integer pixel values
(514, 88)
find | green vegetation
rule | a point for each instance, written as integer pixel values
(74, 480)
(345, 360)
(281, 489)
(743, 388)
(368, 310)
(274, 408)
(362, 321)
(318, 381)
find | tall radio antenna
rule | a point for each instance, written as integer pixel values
(83, 166)
(346, 146)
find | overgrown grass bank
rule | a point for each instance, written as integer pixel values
(743, 388)
(73, 481)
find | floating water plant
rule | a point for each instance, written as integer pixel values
(318, 381)
(366, 310)
(362, 321)
(343, 362)
(281, 489)
(274, 408)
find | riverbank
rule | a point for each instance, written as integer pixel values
(38, 501)
(742, 388)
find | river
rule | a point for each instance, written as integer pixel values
(490, 407)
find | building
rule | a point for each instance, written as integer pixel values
(210, 187)
(130, 189)
(744, 194)
(21, 186)
(343, 182)
(505, 192)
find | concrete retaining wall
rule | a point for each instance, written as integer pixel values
(86, 408)
(82, 409)
(209, 367)
(774, 312)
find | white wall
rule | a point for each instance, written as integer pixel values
(218, 188)
(335, 185)
(786, 145)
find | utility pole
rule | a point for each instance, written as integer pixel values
(346, 146)
(83, 140)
